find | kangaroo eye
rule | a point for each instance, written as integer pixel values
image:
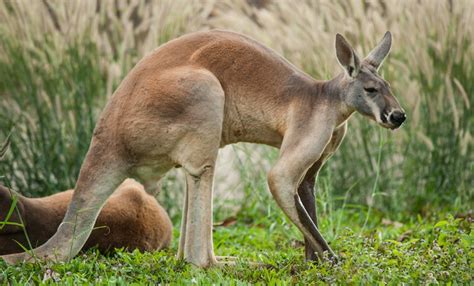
(370, 89)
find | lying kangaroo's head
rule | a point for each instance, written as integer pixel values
(364, 89)
(6, 200)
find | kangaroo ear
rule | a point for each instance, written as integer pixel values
(346, 56)
(380, 52)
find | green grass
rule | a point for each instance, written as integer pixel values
(416, 252)
(50, 111)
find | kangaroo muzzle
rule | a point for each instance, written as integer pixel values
(397, 118)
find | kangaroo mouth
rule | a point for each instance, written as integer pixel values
(386, 123)
(382, 120)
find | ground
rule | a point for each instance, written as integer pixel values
(423, 251)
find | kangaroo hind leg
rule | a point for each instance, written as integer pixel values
(196, 152)
(198, 161)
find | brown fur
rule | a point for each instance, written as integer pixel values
(202, 91)
(131, 219)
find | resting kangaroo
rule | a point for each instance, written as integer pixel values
(202, 91)
(130, 218)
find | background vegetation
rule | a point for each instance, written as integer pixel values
(61, 60)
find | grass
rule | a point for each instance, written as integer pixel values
(416, 252)
(60, 61)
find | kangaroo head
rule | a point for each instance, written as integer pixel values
(6, 201)
(363, 88)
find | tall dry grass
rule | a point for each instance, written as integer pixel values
(59, 61)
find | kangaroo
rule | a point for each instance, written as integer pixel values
(202, 91)
(130, 219)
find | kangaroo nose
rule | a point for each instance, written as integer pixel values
(398, 117)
